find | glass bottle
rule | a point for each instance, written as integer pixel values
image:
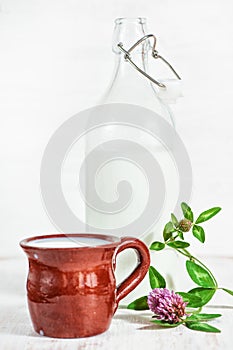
(127, 87)
(130, 87)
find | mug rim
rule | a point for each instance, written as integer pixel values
(113, 241)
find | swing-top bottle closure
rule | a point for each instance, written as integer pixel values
(169, 89)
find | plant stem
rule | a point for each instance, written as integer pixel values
(179, 251)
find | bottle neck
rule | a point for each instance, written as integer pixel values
(127, 84)
(128, 31)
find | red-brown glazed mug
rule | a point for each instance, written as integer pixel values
(71, 285)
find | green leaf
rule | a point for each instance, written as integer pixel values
(139, 304)
(208, 214)
(156, 280)
(203, 327)
(166, 324)
(205, 294)
(178, 244)
(199, 233)
(180, 234)
(168, 230)
(157, 246)
(191, 299)
(228, 291)
(174, 220)
(202, 317)
(199, 275)
(187, 211)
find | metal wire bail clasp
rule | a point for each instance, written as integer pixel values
(155, 55)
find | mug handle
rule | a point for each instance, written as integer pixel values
(143, 256)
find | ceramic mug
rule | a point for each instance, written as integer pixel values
(71, 285)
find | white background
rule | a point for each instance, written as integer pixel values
(56, 59)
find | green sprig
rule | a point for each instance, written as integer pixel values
(175, 236)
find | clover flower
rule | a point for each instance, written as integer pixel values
(166, 305)
(185, 225)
